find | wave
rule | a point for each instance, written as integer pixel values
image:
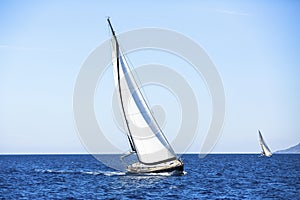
(106, 173)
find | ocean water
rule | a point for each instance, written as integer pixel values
(213, 177)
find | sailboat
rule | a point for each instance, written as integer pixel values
(146, 139)
(265, 151)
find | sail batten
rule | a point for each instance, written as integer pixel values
(144, 134)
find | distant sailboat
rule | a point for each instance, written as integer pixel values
(146, 139)
(265, 151)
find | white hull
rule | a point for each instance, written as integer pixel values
(170, 166)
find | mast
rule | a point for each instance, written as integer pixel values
(144, 134)
(119, 87)
(111, 28)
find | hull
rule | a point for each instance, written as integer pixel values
(175, 166)
(266, 154)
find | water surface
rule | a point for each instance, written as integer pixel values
(214, 177)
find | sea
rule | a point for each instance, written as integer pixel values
(216, 176)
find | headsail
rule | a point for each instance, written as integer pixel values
(145, 135)
(264, 147)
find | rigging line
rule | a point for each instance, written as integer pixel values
(123, 119)
(118, 71)
(109, 31)
(120, 46)
(119, 86)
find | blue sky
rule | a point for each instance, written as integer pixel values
(254, 44)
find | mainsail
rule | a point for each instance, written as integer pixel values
(264, 147)
(144, 134)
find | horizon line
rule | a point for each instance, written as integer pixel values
(197, 153)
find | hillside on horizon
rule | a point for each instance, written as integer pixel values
(292, 150)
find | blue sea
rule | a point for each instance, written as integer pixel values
(216, 176)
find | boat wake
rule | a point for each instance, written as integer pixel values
(109, 173)
(105, 173)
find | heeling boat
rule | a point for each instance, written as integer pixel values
(146, 139)
(265, 150)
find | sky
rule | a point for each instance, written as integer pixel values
(255, 46)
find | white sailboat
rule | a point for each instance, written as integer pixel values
(146, 139)
(265, 151)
